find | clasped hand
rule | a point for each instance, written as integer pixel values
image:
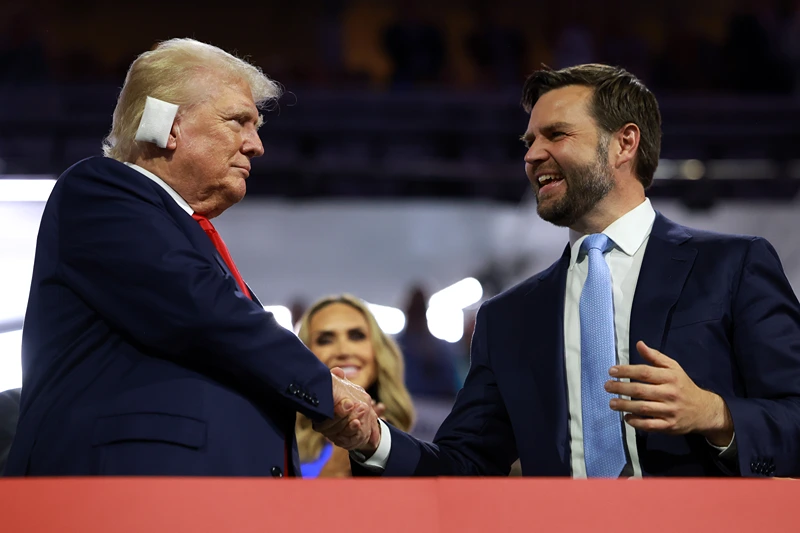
(666, 400)
(355, 422)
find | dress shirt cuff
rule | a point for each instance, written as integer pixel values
(376, 463)
(727, 452)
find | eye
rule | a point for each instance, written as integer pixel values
(556, 134)
(357, 335)
(323, 339)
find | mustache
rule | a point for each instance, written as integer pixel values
(548, 168)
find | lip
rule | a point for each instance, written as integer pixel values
(246, 169)
(549, 187)
(539, 173)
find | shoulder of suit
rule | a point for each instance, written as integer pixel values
(104, 170)
(703, 238)
(94, 164)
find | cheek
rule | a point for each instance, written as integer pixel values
(370, 366)
(322, 353)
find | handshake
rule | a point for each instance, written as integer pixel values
(354, 425)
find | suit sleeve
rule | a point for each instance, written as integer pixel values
(476, 438)
(766, 344)
(128, 259)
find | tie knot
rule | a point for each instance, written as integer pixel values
(204, 222)
(597, 241)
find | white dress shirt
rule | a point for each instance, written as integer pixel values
(161, 183)
(630, 234)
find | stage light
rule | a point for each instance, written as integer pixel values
(459, 295)
(10, 360)
(390, 319)
(25, 190)
(283, 315)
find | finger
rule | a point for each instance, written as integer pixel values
(338, 372)
(344, 407)
(380, 409)
(656, 425)
(640, 391)
(341, 417)
(643, 373)
(345, 431)
(641, 408)
(653, 356)
(331, 426)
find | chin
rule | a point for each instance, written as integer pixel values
(236, 194)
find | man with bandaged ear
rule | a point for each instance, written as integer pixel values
(144, 351)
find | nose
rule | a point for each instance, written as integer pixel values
(251, 145)
(536, 154)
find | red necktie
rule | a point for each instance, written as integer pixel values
(219, 244)
(208, 227)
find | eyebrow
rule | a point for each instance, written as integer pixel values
(333, 331)
(529, 137)
(242, 114)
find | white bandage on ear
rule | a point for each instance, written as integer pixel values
(156, 122)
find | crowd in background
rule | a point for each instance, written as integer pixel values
(744, 46)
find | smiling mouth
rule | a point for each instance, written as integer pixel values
(546, 179)
(548, 182)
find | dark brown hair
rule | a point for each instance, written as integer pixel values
(618, 98)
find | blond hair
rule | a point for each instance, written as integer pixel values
(171, 72)
(389, 387)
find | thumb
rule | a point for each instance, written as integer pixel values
(653, 356)
(338, 372)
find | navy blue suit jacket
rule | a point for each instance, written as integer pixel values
(140, 355)
(720, 305)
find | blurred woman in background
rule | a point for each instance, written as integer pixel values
(341, 331)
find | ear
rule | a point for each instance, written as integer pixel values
(174, 134)
(627, 145)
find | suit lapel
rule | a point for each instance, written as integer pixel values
(254, 297)
(666, 265)
(545, 308)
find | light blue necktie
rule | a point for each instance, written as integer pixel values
(602, 431)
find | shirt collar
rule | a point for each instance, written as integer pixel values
(175, 196)
(628, 232)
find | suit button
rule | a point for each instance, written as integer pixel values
(292, 389)
(276, 472)
(315, 402)
(752, 466)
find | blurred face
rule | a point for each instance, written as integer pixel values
(567, 158)
(340, 337)
(216, 140)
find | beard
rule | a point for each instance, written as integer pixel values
(586, 186)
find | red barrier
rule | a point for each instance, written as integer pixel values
(457, 505)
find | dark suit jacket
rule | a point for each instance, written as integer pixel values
(9, 414)
(139, 353)
(718, 304)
